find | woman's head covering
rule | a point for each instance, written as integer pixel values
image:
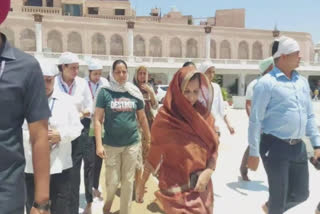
(94, 64)
(286, 45)
(135, 78)
(205, 66)
(182, 134)
(265, 64)
(4, 10)
(48, 68)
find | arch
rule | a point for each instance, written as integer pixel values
(225, 50)
(139, 46)
(98, 43)
(155, 49)
(243, 50)
(28, 40)
(74, 42)
(54, 41)
(116, 45)
(192, 48)
(175, 47)
(257, 51)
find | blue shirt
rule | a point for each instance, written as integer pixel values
(282, 107)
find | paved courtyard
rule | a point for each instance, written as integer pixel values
(232, 195)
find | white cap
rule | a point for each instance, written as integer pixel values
(68, 58)
(286, 46)
(265, 64)
(205, 66)
(48, 68)
(94, 64)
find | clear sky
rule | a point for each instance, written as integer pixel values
(289, 15)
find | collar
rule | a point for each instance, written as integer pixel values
(6, 51)
(63, 82)
(88, 80)
(278, 73)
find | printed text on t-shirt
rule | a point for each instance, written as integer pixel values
(123, 105)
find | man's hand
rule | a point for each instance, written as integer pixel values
(253, 163)
(316, 155)
(231, 130)
(146, 87)
(54, 136)
(37, 211)
(203, 180)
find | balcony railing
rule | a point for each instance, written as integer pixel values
(117, 18)
(42, 10)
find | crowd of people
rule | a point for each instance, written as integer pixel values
(52, 120)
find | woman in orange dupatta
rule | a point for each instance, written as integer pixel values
(183, 143)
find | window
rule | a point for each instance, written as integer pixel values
(72, 10)
(119, 12)
(93, 10)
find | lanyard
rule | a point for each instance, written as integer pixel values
(52, 104)
(92, 94)
(3, 64)
(64, 87)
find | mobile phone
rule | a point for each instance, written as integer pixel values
(193, 180)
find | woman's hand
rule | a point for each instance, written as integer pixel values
(147, 88)
(140, 190)
(203, 180)
(100, 151)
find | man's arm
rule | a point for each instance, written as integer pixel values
(261, 98)
(41, 159)
(144, 124)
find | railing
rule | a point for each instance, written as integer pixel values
(42, 10)
(169, 60)
(117, 18)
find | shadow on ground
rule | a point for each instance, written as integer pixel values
(256, 186)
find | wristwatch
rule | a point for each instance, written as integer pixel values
(43, 207)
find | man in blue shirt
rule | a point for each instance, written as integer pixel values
(281, 115)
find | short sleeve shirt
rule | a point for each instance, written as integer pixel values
(120, 124)
(249, 93)
(22, 96)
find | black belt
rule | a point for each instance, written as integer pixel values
(288, 141)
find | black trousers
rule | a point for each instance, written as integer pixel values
(59, 192)
(287, 170)
(82, 149)
(97, 167)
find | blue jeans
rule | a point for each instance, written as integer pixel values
(287, 170)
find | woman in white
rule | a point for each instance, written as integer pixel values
(218, 106)
(64, 126)
(92, 162)
(70, 83)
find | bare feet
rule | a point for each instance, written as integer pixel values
(87, 210)
(97, 194)
(244, 175)
(265, 208)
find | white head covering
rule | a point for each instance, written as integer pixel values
(48, 68)
(205, 66)
(265, 64)
(68, 58)
(94, 64)
(286, 46)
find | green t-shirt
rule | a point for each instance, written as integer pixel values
(120, 122)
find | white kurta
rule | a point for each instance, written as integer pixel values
(218, 106)
(79, 92)
(65, 119)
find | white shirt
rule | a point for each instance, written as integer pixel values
(249, 93)
(95, 86)
(79, 92)
(65, 119)
(218, 106)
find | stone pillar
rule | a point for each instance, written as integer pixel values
(208, 40)
(241, 84)
(44, 3)
(130, 38)
(38, 27)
